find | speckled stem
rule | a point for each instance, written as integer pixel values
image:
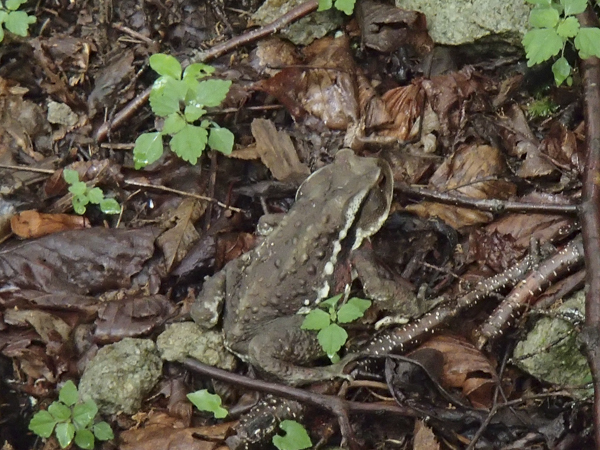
(411, 335)
(550, 270)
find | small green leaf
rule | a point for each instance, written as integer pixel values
(193, 112)
(541, 45)
(543, 17)
(587, 42)
(110, 206)
(346, 6)
(331, 302)
(71, 176)
(103, 431)
(573, 7)
(174, 123)
(148, 148)
(317, 319)
(221, 139)
(353, 309)
(42, 424)
(78, 188)
(211, 92)
(166, 65)
(197, 70)
(13, 5)
(79, 203)
(189, 143)
(95, 195)
(205, 401)
(324, 5)
(18, 22)
(296, 437)
(60, 411)
(65, 433)
(84, 439)
(561, 70)
(332, 338)
(568, 28)
(166, 95)
(68, 393)
(84, 413)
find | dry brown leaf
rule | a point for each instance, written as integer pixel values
(466, 368)
(424, 437)
(47, 325)
(278, 153)
(32, 224)
(177, 241)
(404, 106)
(273, 54)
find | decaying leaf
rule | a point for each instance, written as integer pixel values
(33, 224)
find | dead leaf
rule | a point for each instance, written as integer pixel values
(47, 325)
(424, 437)
(404, 105)
(32, 224)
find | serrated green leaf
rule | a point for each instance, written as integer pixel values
(197, 70)
(166, 65)
(174, 123)
(148, 148)
(110, 206)
(84, 413)
(572, 7)
(210, 92)
(68, 393)
(79, 188)
(95, 195)
(79, 203)
(324, 5)
(568, 28)
(59, 411)
(42, 424)
(347, 6)
(543, 17)
(352, 310)
(587, 42)
(13, 5)
(317, 319)
(205, 401)
(18, 22)
(103, 431)
(84, 439)
(561, 70)
(221, 139)
(193, 112)
(189, 143)
(166, 96)
(71, 176)
(296, 437)
(332, 338)
(541, 45)
(65, 433)
(331, 302)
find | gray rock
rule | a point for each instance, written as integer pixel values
(182, 340)
(456, 22)
(551, 350)
(121, 375)
(305, 30)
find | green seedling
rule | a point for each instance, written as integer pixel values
(541, 108)
(71, 420)
(83, 195)
(554, 25)
(346, 6)
(331, 336)
(296, 437)
(15, 21)
(205, 401)
(180, 98)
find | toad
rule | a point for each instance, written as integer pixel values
(260, 294)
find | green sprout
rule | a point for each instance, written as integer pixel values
(71, 420)
(205, 401)
(346, 6)
(331, 336)
(554, 24)
(83, 194)
(17, 22)
(181, 98)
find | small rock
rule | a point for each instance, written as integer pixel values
(61, 114)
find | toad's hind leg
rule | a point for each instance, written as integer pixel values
(282, 350)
